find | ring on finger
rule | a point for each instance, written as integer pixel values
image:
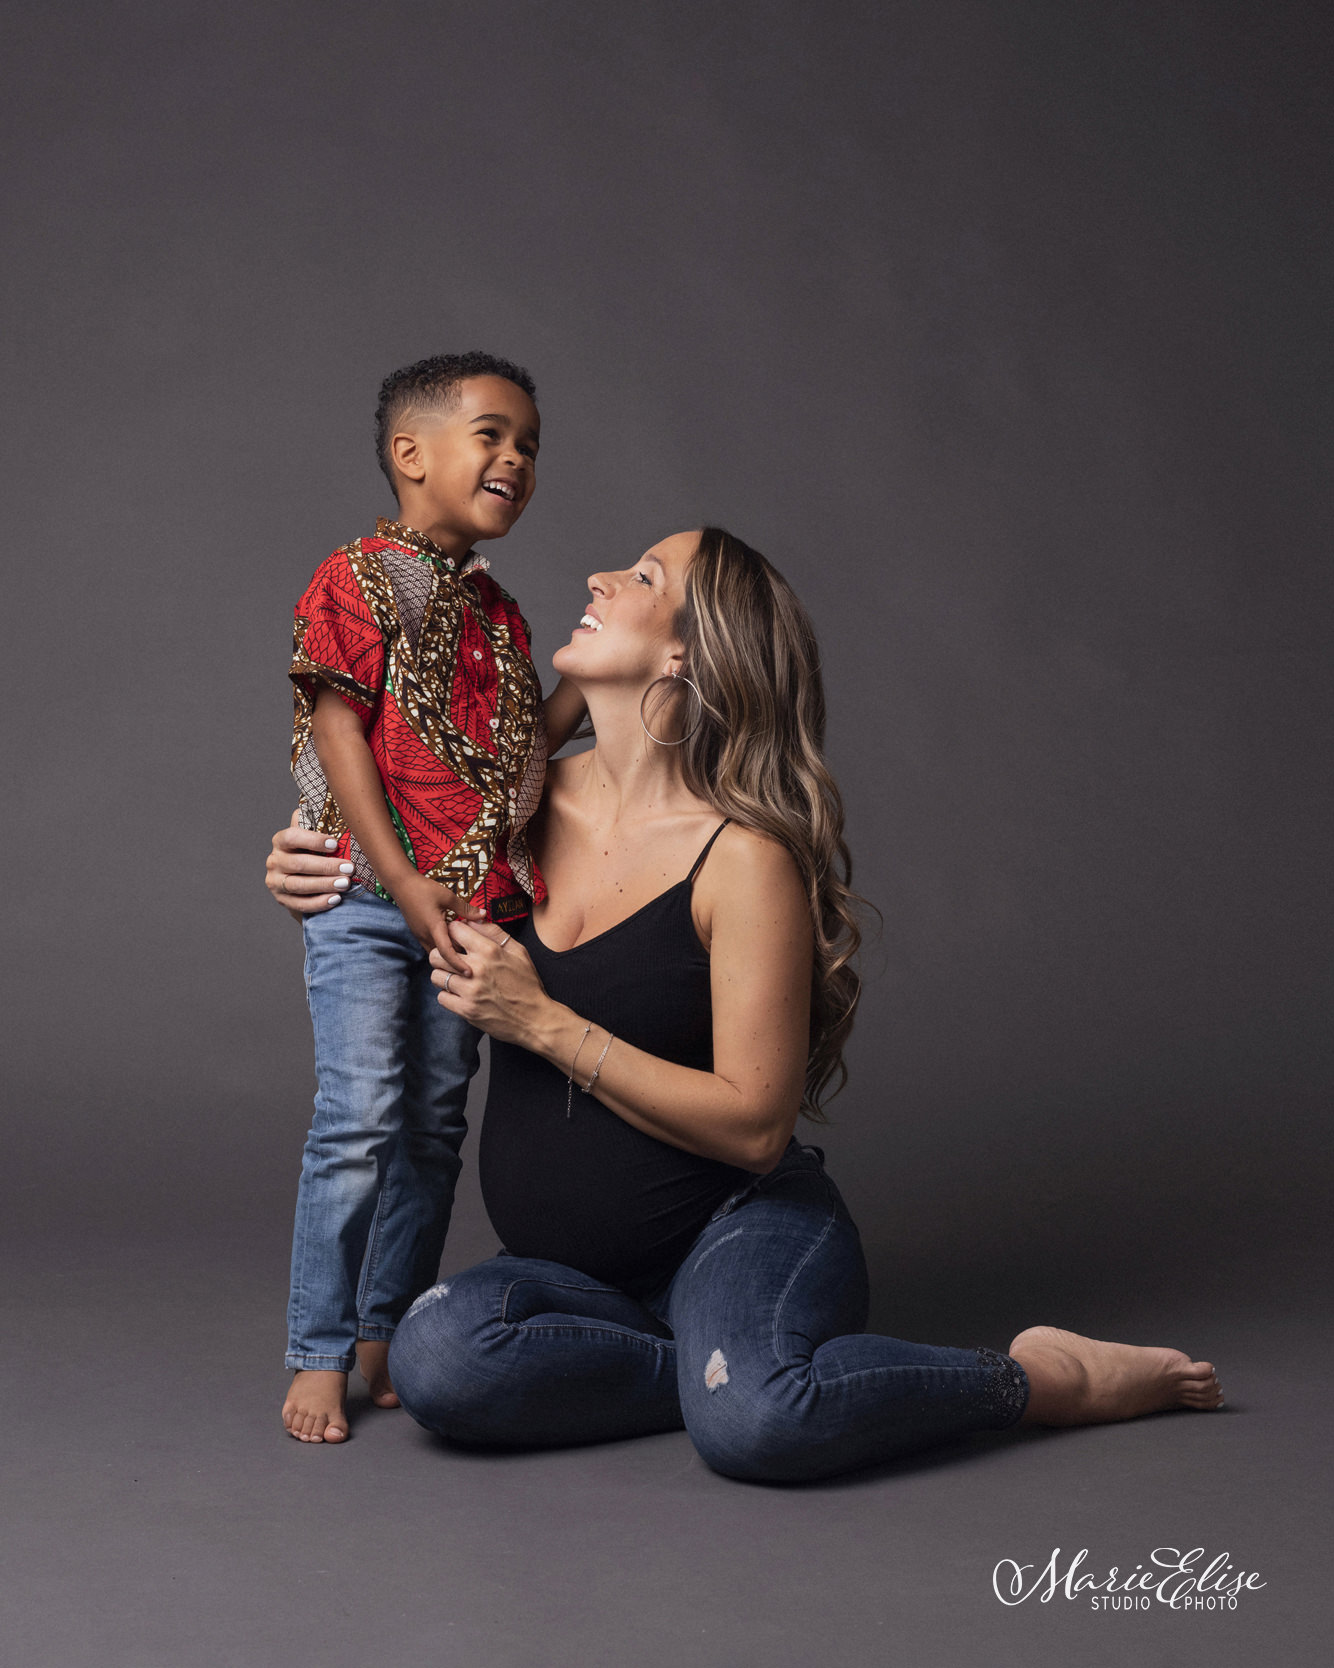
(448, 977)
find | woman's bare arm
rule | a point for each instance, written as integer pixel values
(744, 1110)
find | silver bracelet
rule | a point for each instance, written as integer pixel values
(597, 1068)
(569, 1081)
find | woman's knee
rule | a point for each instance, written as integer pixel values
(438, 1373)
(754, 1436)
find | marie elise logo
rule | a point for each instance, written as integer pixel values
(1171, 1577)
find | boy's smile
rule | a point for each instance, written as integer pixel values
(467, 473)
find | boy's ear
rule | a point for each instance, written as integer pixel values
(406, 453)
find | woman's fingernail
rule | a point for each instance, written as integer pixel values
(335, 899)
(331, 845)
(345, 868)
(342, 882)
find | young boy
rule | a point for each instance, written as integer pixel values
(419, 748)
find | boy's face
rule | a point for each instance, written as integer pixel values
(469, 472)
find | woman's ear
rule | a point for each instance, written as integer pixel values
(672, 668)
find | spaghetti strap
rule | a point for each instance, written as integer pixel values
(699, 861)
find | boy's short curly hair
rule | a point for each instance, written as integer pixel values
(434, 383)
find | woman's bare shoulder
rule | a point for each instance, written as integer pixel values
(746, 862)
(750, 902)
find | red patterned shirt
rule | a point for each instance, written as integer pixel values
(435, 661)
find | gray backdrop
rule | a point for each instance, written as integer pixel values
(995, 326)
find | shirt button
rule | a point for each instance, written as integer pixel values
(477, 654)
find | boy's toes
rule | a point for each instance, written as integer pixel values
(373, 1359)
(314, 1410)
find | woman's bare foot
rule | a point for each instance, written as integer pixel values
(315, 1409)
(1083, 1381)
(373, 1359)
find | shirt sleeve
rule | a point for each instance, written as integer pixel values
(336, 640)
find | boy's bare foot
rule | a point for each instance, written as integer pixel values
(373, 1359)
(1083, 1381)
(315, 1409)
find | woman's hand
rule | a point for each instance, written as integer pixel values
(499, 991)
(301, 873)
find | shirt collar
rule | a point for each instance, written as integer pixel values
(420, 545)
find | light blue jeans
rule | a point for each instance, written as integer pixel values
(378, 1172)
(754, 1346)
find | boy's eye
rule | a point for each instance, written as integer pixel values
(494, 434)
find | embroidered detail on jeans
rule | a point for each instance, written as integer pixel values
(715, 1371)
(704, 1255)
(1006, 1392)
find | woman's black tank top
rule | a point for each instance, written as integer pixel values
(590, 1190)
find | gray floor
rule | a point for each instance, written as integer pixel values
(155, 1514)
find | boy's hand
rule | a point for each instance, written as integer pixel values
(428, 908)
(502, 994)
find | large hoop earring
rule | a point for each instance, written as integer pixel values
(671, 677)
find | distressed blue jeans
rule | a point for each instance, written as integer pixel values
(754, 1346)
(377, 1181)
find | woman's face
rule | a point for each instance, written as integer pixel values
(628, 632)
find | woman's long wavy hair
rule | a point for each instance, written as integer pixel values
(757, 756)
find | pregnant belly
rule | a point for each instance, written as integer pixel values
(594, 1193)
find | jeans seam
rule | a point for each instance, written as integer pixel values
(610, 1330)
(858, 1372)
(555, 1285)
(583, 1329)
(778, 1307)
(366, 1285)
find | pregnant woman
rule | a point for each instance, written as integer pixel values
(673, 1257)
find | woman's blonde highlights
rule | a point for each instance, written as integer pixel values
(758, 756)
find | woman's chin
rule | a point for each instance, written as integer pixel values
(567, 657)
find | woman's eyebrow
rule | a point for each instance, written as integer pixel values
(652, 558)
